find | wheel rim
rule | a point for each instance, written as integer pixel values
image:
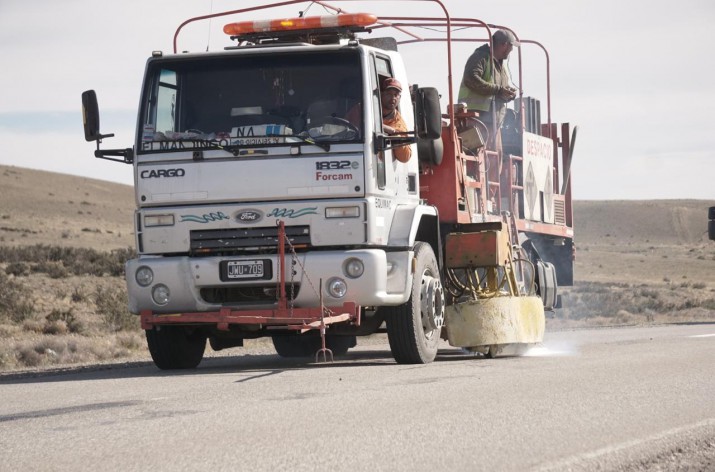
(431, 305)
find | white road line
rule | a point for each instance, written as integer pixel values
(702, 336)
(639, 446)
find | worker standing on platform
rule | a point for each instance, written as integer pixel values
(486, 83)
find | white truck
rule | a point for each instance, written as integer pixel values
(269, 202)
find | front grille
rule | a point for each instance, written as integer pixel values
(265, 294)
(231, 241)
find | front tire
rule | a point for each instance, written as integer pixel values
(175, 347)
(413, 328)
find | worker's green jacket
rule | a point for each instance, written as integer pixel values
(481, 83)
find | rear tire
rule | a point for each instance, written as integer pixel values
(175, 347)
(413, 328)
(306, 345)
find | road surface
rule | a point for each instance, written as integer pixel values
(600, 399)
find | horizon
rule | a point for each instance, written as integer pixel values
(575, 200)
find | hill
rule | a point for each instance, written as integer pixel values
(645, 241)
(41, 207)
(63, 240)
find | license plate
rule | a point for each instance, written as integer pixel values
(253, 269)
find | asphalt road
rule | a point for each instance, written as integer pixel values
(603, 399)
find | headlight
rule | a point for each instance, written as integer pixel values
(337, 288)
(158, 220)
(160, 294)
(144, 276)
(354, 268)
(342, 212)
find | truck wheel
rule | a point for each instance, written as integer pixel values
(413, 328)
(174, 347)
(306, 345)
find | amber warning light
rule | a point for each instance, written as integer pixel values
(288, 24)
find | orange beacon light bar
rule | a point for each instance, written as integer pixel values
(311, 22)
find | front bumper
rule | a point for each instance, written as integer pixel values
(385, 281)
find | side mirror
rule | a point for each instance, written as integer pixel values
(430, 151)
(90, 116)
(380, 143)
(711, 223)
(428, 119)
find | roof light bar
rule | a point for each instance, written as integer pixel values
(289, 24)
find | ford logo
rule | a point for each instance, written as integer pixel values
(249, 216)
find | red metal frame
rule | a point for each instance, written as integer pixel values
(297, 318)
(407, 22)
(284, 316)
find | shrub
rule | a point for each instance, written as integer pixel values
(33, 325)
(59, 262)
(55, 269)
(14, 304)
(58, 320)
(112, 306)
(28, 356)
(18, 269)
(77, 295)
(130, 341)
(7, 356)
(55, 327)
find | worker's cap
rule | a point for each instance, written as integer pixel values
(391, 82)
(504, 36)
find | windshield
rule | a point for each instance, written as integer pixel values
(252, 100)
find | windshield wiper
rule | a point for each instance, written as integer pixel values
(237, 148)
(308, 140)
(234, 149)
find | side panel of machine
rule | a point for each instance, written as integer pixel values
(538, 178)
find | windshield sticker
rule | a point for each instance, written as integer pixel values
(290, 213)
(209, 143)
(260, 130)
(205, 218)
(193, 139)
(148, 133)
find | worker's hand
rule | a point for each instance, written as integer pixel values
(389, 130)
(506, 93)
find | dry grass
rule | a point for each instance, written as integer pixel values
(601, 304)
(46, 321)
(64, 239)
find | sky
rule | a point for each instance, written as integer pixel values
(635, 76)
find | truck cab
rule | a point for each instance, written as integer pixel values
(233, 142)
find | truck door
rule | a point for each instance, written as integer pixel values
(379, 66)
(395, 173)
